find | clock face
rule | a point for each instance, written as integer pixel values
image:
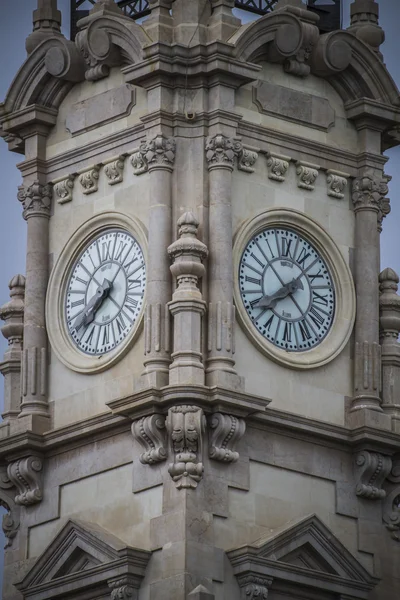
(286, 289)
(104, 292)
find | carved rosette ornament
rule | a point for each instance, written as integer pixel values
(337, 183)
(186, 426)
(222, 151)
(26, 475)
(278, 166)
(114, 170)
(254, 587)
(371, 470)
(307, 174)
(63, 189)
(35, 199)
(151, 434)
(225, 432)
(89, 179)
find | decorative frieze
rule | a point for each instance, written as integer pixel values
(89, 179)
(35, 199)
(278, 165)
(26, 475)
(225, 433)
(63, 189)
(151, 434)
(307, 174)
(254, 587)
(114, 169)
(246, 160)
(221, 151)
(371, 470)
(186, 425)
(336, 182)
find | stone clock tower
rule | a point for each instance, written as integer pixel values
(202, 383)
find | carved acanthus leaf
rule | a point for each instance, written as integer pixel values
(307, 174)
(114, 170)
(185, 426)
(26, 475)
(278, 166)
(369, 193)
(371, 470)
(63, 189)
(89, 180)
(246, 160)
(159, 151)
(151, 434)
(225, 432)
(35, 199)
(222, 151)
(138, 160)
(337, 183)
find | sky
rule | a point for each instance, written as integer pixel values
(15, 26)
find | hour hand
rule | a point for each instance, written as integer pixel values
(88, 313)
(271, 300)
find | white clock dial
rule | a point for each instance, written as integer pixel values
(104, 293)
(286, 289)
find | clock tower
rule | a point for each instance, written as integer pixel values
(202, 380)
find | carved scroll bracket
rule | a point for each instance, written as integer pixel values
(225, 432)
(26, 475)
(151, 434)
(278, 165)
(336, 182)
(186, 425)
(11, 520)
(63, 188)
(391, 506)
(89, 179)
(371, 470)
(307, 174)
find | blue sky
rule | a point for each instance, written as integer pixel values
(16, 24)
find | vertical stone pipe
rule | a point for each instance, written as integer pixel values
(220, 153)
(36, 200)
(369, 204)
(159, 154)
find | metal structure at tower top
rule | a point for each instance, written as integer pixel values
(329, 11)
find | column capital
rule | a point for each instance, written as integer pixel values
(369, 193)
(221, 151)
(159, 152)
(35, 199)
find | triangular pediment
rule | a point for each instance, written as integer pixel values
(307, 553)
(80, 550)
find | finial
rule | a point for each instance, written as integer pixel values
(389, 303)
(365, 24)
(388, 280)
(13, 312)
(106, 6)
(17, 286)
(46, 23)
(188, 225)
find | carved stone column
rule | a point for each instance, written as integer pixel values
(13, 315)
(159, 155)
(187, 304)
(368, 200)
(389, 303)
(221, 152)
(36, 200)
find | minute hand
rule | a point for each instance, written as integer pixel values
(283, 292)
(88, 313)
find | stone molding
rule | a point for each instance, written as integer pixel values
(35, 199)
(186, 425)
(114, 170)
(89, 179)
(371, 470)
(307, 174)
(221, 151)
(63, 189)
(151, 434)
(225, 433)
(278, 165)
(336, 182)
(26, 476)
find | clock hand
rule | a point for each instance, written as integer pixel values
(88, 313)
(286, 290)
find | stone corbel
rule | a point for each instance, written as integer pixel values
(225, 433)
(185, 425)
(278, 165)
(247, 159)
(254, 587)
(391, 505)
(124, 588)
(371, 470)
(63, 188)
(307, 174)
(11, 520)
(150, 432)
(89, 179)
(26, 475)
(138, 160)
(114, 169)
(336, 182)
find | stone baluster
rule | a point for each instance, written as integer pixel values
(389, 303)
(12, 313)
(221, 153)
(187, 304)
(36, 201)
(159, 155)
(368, 200)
